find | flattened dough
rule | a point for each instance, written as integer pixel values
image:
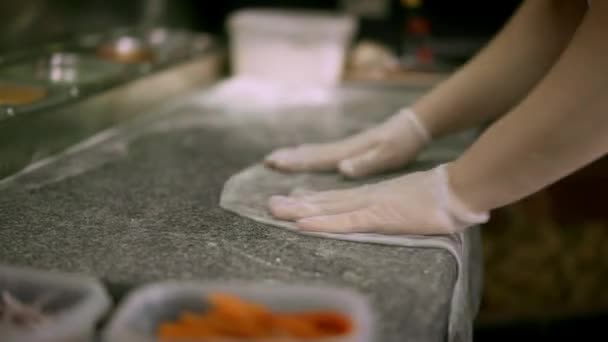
(247, 193)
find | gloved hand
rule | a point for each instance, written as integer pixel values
(385, 147)
(417, 203)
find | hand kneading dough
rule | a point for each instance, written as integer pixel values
(247, 193)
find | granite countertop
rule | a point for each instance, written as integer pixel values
(150, 212)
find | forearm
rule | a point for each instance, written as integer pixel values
(560, 127)
(502, 73)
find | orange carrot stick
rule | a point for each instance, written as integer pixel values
(232, 317)
(329, 322)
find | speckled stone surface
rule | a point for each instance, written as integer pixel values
(152, 213)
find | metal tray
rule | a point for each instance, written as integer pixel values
(63, 68)
(94, 63)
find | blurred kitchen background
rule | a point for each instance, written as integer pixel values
(546, 258)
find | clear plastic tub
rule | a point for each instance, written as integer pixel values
(71, 304)
(301, 47)
(138, 317)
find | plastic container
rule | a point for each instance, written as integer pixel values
(138, 316)
(302, 47)
(72, 304)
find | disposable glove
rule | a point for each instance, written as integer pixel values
(417, 203)
(385, 147)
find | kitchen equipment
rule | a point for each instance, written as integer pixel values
(71, 304)
(299, 47)
(63, 68)
(126, 49)
(140, 313)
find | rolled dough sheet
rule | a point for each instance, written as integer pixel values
(247, 193)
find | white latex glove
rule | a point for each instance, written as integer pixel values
(385, 147)
(417, 203)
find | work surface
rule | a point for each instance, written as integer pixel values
(143, 206)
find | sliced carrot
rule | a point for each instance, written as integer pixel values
(190, 318)
(235, 307)
(168, 330)
(294, 327)
(330, 322)
(232, 317)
